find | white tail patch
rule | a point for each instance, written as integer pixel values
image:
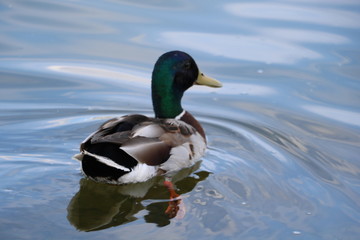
(141, 173)
(78, 157)
(107, 161)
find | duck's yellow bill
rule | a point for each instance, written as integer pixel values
(207, 81)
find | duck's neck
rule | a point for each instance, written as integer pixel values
(165, 97)
(166, 105)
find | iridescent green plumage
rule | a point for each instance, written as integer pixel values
(173, 73)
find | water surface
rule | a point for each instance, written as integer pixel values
(283, 132)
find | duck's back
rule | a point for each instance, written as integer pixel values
(134, 148)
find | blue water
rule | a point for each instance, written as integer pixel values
(283, 132)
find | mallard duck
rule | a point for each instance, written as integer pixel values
(135, 148)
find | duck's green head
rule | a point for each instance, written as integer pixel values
(175, 72)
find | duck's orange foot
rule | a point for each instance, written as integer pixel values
(173, 208)
(176, 206)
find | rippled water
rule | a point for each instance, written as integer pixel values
(283, 132)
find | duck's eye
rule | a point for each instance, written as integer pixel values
(187, 65)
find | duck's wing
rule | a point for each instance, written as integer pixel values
(119, 127)
(145, 140)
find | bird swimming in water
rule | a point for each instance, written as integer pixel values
(135, 148)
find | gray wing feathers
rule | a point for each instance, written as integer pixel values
(148, 140)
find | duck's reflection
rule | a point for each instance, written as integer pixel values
(98, 206)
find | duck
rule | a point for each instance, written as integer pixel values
(136, 148)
